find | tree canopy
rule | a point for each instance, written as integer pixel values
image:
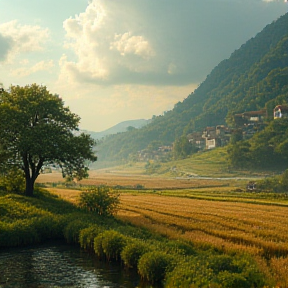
(36, 129)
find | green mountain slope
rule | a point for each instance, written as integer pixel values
(255, 76)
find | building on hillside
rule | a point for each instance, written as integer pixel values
(209, 132)
(197, 140)
(250, 117)
(281, 111)
(216, 136)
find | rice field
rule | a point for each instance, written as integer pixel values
(256, 228)
(226, 218)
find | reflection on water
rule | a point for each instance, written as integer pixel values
(58, 265)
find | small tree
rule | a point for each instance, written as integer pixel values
(100, 200)
(37, 129)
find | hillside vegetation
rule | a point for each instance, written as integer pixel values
(254, 77)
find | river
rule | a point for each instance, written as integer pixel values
(56, 265)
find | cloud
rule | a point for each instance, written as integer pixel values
(5, 46)
(26, 71)
(157, 42)
(127, 44)
(20, 38)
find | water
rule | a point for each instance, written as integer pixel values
(59, 265)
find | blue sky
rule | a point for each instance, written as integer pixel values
(113, 60)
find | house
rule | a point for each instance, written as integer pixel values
(250, 117)
(281, 111)
(216, 136)
(197, 140)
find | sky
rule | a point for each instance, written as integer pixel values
(118, 60)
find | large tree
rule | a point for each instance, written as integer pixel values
(36, 129)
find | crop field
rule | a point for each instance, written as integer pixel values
(257, 228)
(129, 180)
(260, 229)
(208, 213)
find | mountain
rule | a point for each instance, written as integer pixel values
(118, 128)
(254, 77)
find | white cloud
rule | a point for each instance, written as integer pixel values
(128, 44)
(23, 38)
(156, 42)
(26, 71)
(106, 47)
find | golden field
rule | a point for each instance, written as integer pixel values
(208, 217)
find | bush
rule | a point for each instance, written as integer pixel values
(72, 230)
(154, 265)
(112, 244)
(98, 249)
(109, 243)
(233, 280)
(20, 232)
(191, 273)
(13, 181)
(221, 263)
(277, 183)
(132, 253)
(88, 235)
(101, 200)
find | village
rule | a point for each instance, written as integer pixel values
(246, 125)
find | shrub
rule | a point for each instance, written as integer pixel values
(49, 226)
(98, 249)
(13, 180)
(132, 252)
(221, 263)
(233, 280)
(154, 265)
(191, 273)
(72, 230)
(112, 244)
(101, 200)
(20, 232)
(87, 235)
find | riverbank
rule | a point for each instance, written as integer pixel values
(174, 263)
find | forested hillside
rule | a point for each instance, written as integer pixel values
(254, 77)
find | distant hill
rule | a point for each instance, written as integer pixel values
(118, 128)
(254, 77)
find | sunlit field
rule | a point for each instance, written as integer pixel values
(257, 229)
(119, 178)
(224, 217)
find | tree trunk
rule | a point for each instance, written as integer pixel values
(29, 187)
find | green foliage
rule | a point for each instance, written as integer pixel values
(37, 129)
(87, 236)
(13, 180)
(25, 221)
(153, 266)
(239, 154)
(182, 148)
(72, 230)
(110, 244)
(20, 232)
(277, 183)
(191, 273)
(267, 149)
(152, 167)
(132, 253)
(215, 271)
(101, 200)
(232, 280)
